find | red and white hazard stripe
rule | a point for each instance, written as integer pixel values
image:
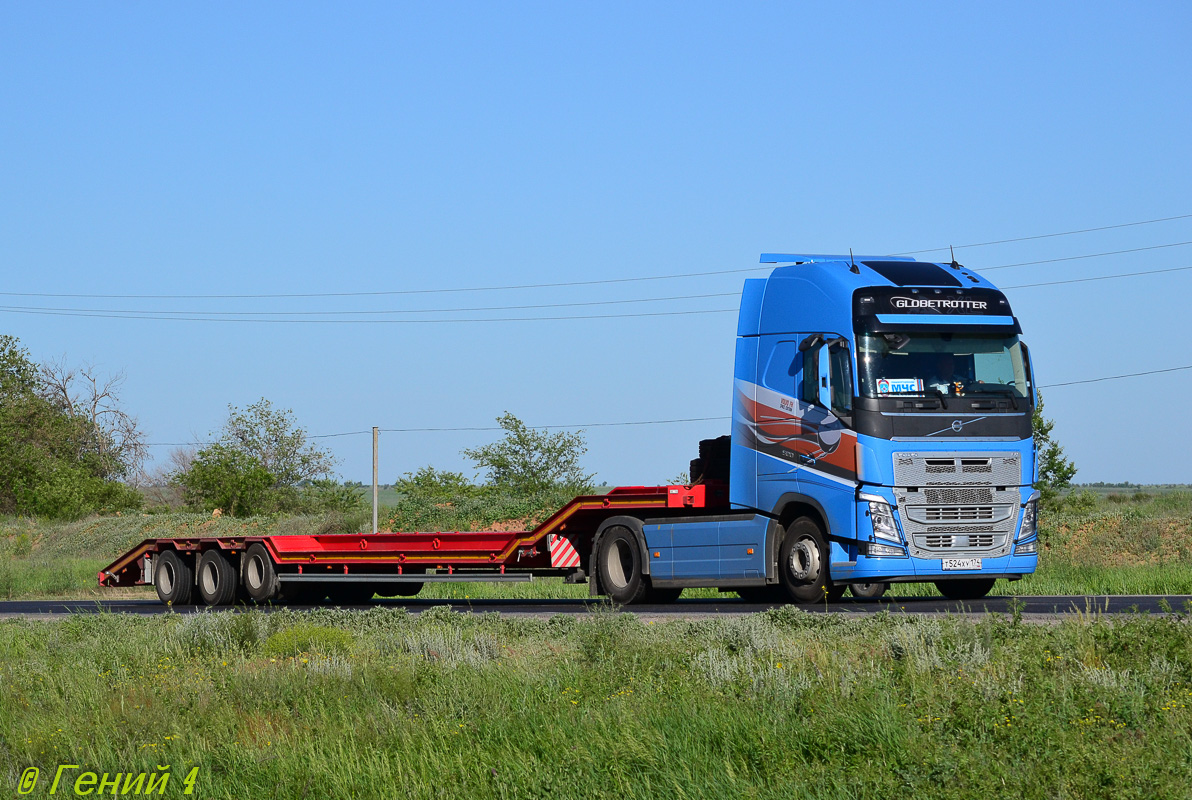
(562, 552)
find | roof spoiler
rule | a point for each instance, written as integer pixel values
(803, 258)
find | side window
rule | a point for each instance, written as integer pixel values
(841, 379)
(810, 393)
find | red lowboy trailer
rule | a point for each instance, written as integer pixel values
(354, 567)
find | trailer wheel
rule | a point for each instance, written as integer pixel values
(216, 578)
(173, 578)
(619, 566)
(868, 591)
(260, 574)
(965, 589)
(803, 564)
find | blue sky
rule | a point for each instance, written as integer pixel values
(238, 149)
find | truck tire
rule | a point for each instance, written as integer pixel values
(696, 473)
(619, 566)
(803, 562)
(173, 578)
(260, 574)
(868, 591)
(961, 589)
(216, 578)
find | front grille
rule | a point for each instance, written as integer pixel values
(957, 513)
(966, 496)
(948, 541)
(957, 469)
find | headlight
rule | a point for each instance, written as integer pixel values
(1027, 548)
(1030, 516)
(883, 521)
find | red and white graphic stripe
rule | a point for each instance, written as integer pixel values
(562, 552)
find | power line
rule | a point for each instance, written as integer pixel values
(1097, 278)
(1117, 377)
(1045, 235)
(1087, 255)
(478, 428)
(482, 428)
(232, 314)
(605, 281)
(151, 316)
(384, 293)
(175, 316)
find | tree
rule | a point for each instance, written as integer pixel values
(112, 436)
(261, 462)
(229, 479)
(1055, 471)
(53, 461)
(273, 437)
(527, 461)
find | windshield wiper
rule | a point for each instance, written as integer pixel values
(924, 393)
(994, 388)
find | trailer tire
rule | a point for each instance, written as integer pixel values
(173, 578)
(803, 564)
(260, 574)
(973, 589)
(216, 578)
(619, 566)
(868, 591)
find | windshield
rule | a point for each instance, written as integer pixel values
(951, 363)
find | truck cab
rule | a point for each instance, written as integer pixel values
(886, 402)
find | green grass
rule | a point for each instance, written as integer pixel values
(782, 704)
(1093, 545)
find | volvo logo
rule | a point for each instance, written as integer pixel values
(957, 425)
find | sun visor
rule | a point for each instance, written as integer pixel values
(977, 310)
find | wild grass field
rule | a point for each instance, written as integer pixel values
(382, 704)
(1115, 544)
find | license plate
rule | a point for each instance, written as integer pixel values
(962, 563)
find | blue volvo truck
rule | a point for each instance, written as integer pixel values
(881, 433)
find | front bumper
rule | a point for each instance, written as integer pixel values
(895, 569)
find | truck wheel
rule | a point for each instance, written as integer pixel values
(973, 589)
(216, 578)
(619, 565)
(803, 563)
(260, 574)
(173, 578)
(868, 591)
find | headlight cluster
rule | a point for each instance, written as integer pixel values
(883, 521)
(1030, 516)
(1027, 534)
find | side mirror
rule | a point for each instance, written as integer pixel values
(810, 342)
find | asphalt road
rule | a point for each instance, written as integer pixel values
(1036, 608)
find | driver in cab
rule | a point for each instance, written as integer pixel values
(945, 377)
